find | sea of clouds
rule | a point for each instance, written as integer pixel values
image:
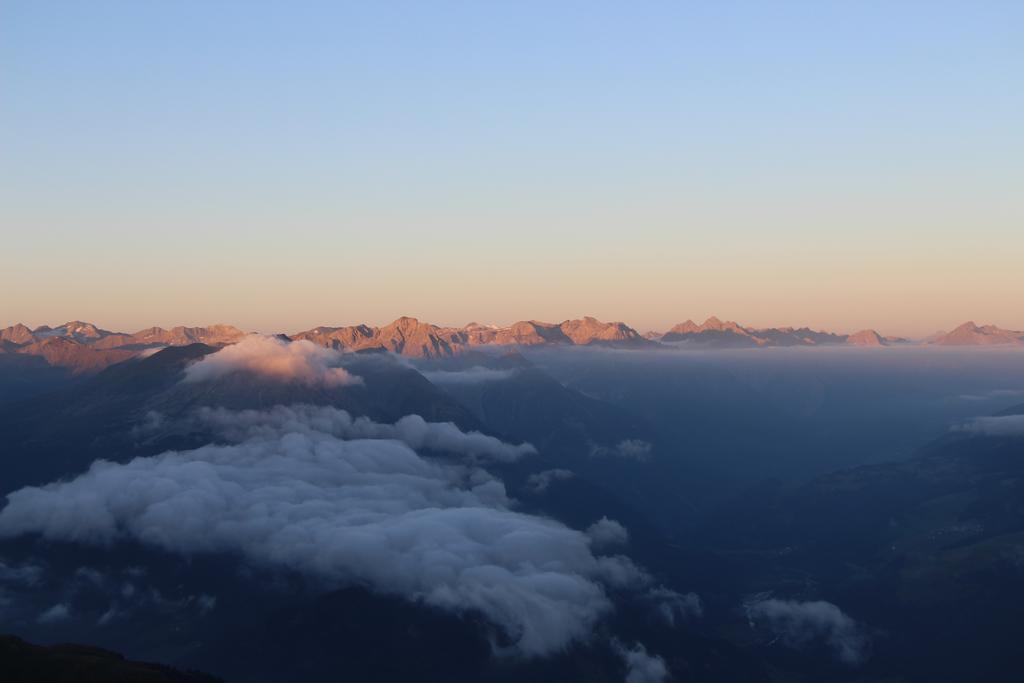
(349, 501)
(406, 509)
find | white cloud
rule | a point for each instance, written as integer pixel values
(640, 666)
(293, 495)
(1000, 425)
(474, 375)
(412, 430)
(606, 532)
(206, 603)
(992, 395)
(152, 422)
(129, 601)
(299, 361)
(26, 574)
(110, 615)
(800, 623)
(675, 607)
(90, 576)
(59, 612)
(538, 483)
(637, 449)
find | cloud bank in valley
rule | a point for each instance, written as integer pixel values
(298, 361)
(540, 482)
(474, 375)
(291, 493)
(59, 612)
(25, 574)
(411, 430)
(993, 395)
(999, 425)
(634, 449)
(607, 532)
(641, 667)
(674, 607)
(798, 624)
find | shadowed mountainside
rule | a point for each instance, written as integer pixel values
(22, 662)
(61, 432)
(927, 550)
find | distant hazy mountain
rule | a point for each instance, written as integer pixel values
(17, 334)
(75, 329)
(867, 338)
(411, 337)
(176, 336)
(970, 334)
(89, 334)
(716, 333)
(405, 336)
(65, 352)
(83, 348)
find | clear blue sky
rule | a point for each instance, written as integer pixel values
(282, 165)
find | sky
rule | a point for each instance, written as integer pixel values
(282, 165)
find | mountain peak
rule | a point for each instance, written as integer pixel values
(406, 322)
(589, 330)
(866, 338)
(970, 334)
(17, 333)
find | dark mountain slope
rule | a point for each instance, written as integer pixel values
(60, 433)
(22, 662)
(23, 376)
(926, 551)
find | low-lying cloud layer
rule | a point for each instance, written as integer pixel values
(293, 494)
(993, 395)
(635, 449)
(640, 666)
(31, 592)
(298, 361)
(411, 430)
(540, 482)
(798, 624)
(474, 375)
(674, 607)
(607, 532)
(59, 612)
(26, 574)
(1000, 425)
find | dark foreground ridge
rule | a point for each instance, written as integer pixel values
(22, 662)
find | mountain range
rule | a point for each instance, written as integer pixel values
(714, 332)
(82, 347)
(876, 562)
(411, 337)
